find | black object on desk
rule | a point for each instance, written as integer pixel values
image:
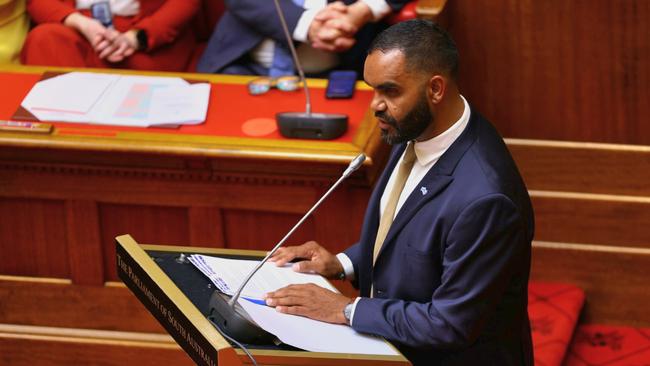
(202, 293)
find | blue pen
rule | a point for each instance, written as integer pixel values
(255, 301)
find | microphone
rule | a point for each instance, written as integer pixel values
(324, 126)
(231, 318)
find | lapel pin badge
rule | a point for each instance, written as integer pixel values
(424, 190)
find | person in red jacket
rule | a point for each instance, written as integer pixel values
(145, 34)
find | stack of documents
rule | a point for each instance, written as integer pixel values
(228, 275)
(123, 100)
(308, 334)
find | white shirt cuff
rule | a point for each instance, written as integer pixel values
(348, 267)
(379, 8)
(301, 31)
(354, 307)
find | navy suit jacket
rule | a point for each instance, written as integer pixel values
(246, 23)
(450, 281)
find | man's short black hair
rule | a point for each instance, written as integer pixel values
(425, 45)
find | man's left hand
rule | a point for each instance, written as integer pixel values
(311, 301)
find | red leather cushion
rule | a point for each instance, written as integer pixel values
(553, 309)
(595, 344)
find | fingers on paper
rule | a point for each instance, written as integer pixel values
(285, 255)
(292, 295)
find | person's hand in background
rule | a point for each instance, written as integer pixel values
(123, 46)
(331, 29)
(96, 34)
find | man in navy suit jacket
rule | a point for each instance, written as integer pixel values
(247, 24)
(449, 283)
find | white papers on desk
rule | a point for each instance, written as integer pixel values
(112, 99)
(313, 335)
(308, 334)
(228, 275)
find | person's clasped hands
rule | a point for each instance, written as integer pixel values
(334, 27)
(108, 43)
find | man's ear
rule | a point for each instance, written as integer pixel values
(436, 88)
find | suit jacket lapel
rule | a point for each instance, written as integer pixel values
(434, 182)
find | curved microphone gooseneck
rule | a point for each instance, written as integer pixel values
(229, 315)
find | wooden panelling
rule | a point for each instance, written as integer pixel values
(336, 224)
(172, 203)
(338, 231)
(84, 243)
(262, 230)
(586, 168)
(615, 280)
(63, 347)
(62, 304)
(592, 209)
(155, 187)
(167, 225)
(557, 69)
(584, 219)
(33, 237)
(206, 227)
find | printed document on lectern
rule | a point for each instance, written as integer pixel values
(228, 275)
(308, 334)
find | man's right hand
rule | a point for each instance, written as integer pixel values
(316, 259)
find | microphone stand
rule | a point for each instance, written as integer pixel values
(294, 55)
(309, 125)
(229, 315)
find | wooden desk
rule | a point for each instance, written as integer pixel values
(65, 196)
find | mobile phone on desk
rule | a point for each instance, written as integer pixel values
(341, 84)
(102, 12)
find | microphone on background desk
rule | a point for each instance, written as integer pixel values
(231, 318)
(309, 125)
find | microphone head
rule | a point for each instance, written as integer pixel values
(354, 164)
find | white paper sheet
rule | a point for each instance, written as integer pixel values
(232, 272)
(189, 104)
(315, 336)
(123, 100)
(308, 334)
(74, 92)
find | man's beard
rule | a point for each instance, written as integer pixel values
(410, 127)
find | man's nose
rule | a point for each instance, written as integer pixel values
(377, 104)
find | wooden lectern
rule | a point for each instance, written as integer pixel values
(177, 295)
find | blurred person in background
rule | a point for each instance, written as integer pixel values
(249, 40)
(144, 34)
